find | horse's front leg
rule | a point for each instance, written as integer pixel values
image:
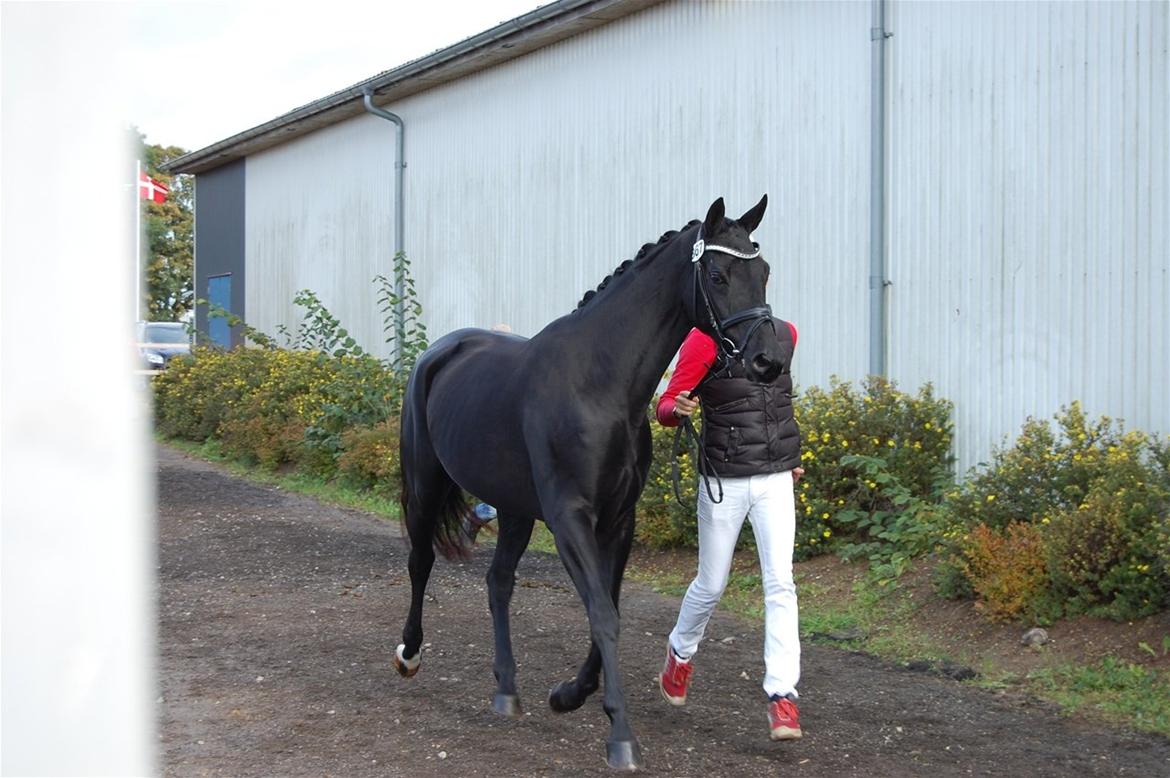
(615, 552)
(578, 549)
(501, 580)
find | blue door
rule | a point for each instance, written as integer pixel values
(219, 292)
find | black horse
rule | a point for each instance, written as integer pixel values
(555, 427)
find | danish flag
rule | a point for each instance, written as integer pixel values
(149, 189)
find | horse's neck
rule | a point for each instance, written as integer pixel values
(636, 329)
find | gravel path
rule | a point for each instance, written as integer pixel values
(278, 617)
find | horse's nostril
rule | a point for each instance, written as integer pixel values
(765, 369)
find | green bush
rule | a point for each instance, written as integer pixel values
(323, 405)
(197, 391)
(1106, 557)
(1042, 473)
(890, 525)
(909, 437)
(369, 458)
(268, 424)
(1098, 498)
(361, 392)
(1006, 570)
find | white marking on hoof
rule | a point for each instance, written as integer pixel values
(407, 667)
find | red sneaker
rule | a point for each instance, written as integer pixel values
(674, 678)
(784, 719)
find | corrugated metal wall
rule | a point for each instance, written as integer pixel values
(1027, 191)
(528, 183)
(319, 216)
(1028, 207)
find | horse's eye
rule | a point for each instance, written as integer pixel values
(717, 277)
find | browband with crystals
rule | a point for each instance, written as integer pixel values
(702, 247)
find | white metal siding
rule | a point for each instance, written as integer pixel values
(1027, 211)
(318, 215)
(526, 184)
(1027, 183)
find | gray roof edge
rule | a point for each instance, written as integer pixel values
(545, 20)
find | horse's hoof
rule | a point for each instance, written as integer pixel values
(507, 705)
(623, 755)
(406, 667)
(565, 697)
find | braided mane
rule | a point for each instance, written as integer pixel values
(642, 252)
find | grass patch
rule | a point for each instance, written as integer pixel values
(815, 621)
(1118, 692)
(882, 614)
(668, 582)
(542, 539)
(330, 492)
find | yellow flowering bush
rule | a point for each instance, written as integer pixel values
(361, 392)
(844, 431)
(909, 435)
(274, 406)
(197, 391)
(369, 457)
(1043, 472)
(1099, 499)
(268, 424)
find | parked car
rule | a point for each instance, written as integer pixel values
(161, 341)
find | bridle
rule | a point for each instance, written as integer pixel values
(728, 351)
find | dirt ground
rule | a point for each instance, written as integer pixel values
(278, 617)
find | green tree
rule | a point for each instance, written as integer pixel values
(169, 239)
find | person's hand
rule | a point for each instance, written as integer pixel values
(797, 472)
(684, 405)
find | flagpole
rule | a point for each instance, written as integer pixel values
(137, 240)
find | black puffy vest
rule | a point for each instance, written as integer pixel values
(749, 428)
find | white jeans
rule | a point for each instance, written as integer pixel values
(767, 500)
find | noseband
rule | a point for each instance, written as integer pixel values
(729, 350)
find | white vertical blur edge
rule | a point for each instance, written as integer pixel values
(77, 663)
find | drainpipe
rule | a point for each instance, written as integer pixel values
(877, 203)
(399, 166)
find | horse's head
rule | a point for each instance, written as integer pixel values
(727, 295)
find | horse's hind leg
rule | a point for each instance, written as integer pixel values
(570, 695)
(427, 487)
(422, 558)
(501, 580)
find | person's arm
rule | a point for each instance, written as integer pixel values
(694, 360)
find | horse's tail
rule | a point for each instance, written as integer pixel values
(439, 513)
(451, 539)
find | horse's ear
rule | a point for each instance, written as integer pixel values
(714, 217)
(750, 220)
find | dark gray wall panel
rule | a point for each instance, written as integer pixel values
(219, 238)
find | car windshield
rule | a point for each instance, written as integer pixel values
(158, 333)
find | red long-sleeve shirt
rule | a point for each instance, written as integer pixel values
(695, 358)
